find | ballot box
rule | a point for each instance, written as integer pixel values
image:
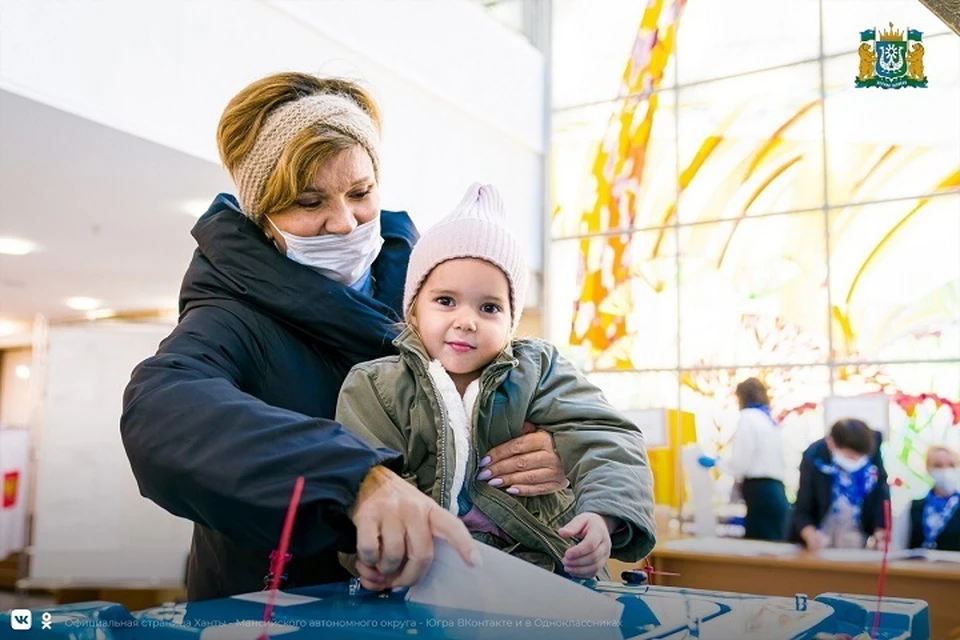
(341, 611)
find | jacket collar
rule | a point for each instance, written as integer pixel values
(236, 261)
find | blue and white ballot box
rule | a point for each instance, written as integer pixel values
(336, 611)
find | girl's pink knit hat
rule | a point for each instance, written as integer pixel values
(475, 229)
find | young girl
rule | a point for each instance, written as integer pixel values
(462, 383)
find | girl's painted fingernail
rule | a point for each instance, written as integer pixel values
(483, 475)
(513, 490)
(496, 482)
(485, 461)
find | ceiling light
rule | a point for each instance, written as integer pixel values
(196, 207)
(22, 371)
(82, 304)
(16, 246)
(9, 328)
(100, 314)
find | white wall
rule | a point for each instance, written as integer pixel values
(462, 95)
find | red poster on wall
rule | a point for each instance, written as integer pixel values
(14, 455)
(10, 484)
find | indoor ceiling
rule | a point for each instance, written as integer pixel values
(109, 212)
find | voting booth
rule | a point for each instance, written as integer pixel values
(14, 461)
(91, 528)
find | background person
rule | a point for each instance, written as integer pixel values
(843, 486)
(935, 519)
(756, 463)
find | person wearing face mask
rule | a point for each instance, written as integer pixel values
(293, 282)
(843, 486)
(935, 519)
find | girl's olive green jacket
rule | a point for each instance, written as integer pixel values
(409, 404)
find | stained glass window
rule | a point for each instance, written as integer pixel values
(727, 204)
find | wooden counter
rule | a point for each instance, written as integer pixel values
(936, 583)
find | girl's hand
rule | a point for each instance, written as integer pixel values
(590, 555)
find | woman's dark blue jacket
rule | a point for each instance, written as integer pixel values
(947, 540)
(815, 493)
(239, 401)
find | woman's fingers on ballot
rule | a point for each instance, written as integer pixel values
(370, 578)
(392, 543)
(446, 526)
(368, 539)
(396, 525)
(419, 554)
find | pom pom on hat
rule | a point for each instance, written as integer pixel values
(475, 229)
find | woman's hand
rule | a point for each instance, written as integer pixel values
(396, 525)
(589, 556)
(528, 465)
(812, 538)
(878, 539)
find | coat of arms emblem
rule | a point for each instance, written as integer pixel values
(891, 61)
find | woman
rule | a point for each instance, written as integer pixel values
(756, 463)
(291, 285)
(935, 519)
(843, 486)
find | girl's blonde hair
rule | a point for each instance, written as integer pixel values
(245, 116)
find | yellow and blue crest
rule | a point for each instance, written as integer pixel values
(891, 60)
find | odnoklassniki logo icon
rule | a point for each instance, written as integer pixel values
(893, 60)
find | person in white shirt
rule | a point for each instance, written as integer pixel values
(757, 464)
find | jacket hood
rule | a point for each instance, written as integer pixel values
(235, 261)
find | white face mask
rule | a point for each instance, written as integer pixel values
(946, 480)
(849, 465)
(344, 258)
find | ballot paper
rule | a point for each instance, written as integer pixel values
(506, 586)
(937, 555)
(282, 599)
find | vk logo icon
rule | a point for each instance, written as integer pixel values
(21, 619)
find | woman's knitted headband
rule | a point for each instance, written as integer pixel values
(330, 111)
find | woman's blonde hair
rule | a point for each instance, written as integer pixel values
(941, 448)
(245, 116)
